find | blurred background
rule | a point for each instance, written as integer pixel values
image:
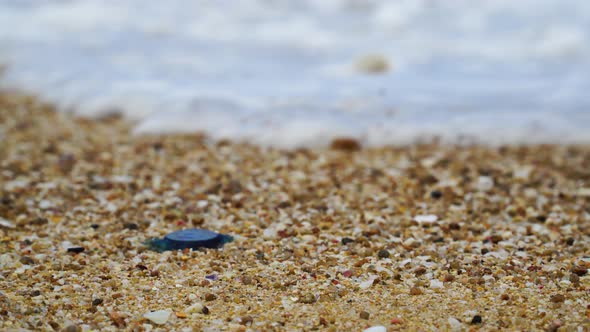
(300, 73)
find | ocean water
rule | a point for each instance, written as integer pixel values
(294, 73)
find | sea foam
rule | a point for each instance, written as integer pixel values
(300, 73)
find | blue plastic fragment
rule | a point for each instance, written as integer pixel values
(189, 238)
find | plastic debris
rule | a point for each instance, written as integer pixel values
(189, 238)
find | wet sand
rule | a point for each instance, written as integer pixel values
(421, 237)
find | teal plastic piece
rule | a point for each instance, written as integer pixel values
(189, 238)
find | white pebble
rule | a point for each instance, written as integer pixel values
(158, 317)
(434, 283)
(197, 307)
(376, 329)
(455, 324)
(6, 223)
(426, 218)
(485, 183)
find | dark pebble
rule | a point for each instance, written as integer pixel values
(436, 194)
(580, 271)
(96, 302)
(95, 226)
(210, 297)
(26, 260)
(76, 250)
(383, 253)
(72, 328)
(36, 292)
(484, 251)
(476, 319)
(346, 240)
(570, 241)
(557, 298)
(246, 320)
(365, 315)
(131, 226)
(205, 310)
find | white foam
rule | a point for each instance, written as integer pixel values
(284, 73)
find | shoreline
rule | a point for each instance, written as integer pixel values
(420, 237)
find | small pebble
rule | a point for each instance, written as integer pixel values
(365, 315)
(346, 240)
(476, 319)
(158, 317)
(436, 194)
(72, 328)
(345, 144)
(96, 302)
(416, 291)
(558, 298)
(383, 253)
(210, 297)
(76, 250)
(246, 320)
(580, 271)
(26, 260)
(376, 329)
(130, 226)
(308, 298)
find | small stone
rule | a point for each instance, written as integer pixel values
(346, 240)
(449, 278)
(485, 183)
(574, 278)
(345, 144)
(210, 297)
(365, 315)
(26, 260)
(246, 320)
(436, 194)
(347, 273)
(383, 253)
(557, 298)
(308, 298)
(158, 317)
(97, 302)
(378, 328)
(246, 280)
(197, 307)
(426, 218)
(476, 319)
(416, 291)
(36, 292)
(118, 319)
(570, 241)
(76, 250)
(66, 162)
(205, 310)
(131, 226)
(180, 314)
(434, 283)
(421, 270)
(455, 324)
(72, 328)
(6, 224)
(95, 226)
(580, 271)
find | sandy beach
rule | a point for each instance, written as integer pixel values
(415, 238)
